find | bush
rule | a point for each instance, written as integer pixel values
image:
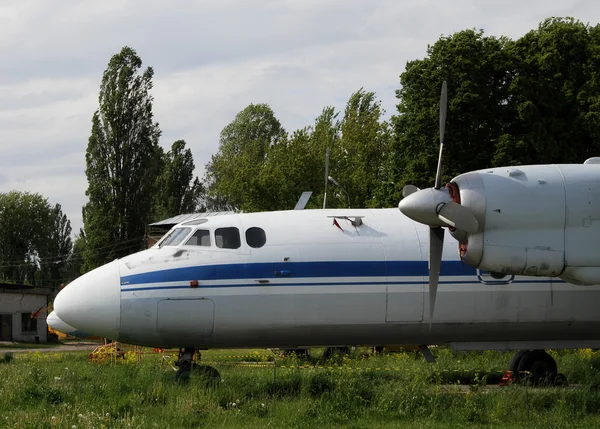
(7, 358)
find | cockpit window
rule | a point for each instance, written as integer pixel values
(175, 237)
(227, 238)
(256, 237)
(200, 238)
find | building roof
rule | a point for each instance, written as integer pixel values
(25, 289)
(185, 217)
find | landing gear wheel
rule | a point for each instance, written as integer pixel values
(538, 367)
(207, 372)
(513, 365)
(299, 353)
(330, 352)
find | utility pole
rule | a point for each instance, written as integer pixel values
(326, 177)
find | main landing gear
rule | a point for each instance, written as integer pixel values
(536, 366)
(186, 366)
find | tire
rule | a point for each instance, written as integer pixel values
(330, 352)
(207, 372)
(540, 367)
(513, 364)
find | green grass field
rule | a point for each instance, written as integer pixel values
(64, 390)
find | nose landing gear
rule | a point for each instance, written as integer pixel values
(187, 366)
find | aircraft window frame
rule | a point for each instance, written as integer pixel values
(172, 240)
(199, 243)
(254, 241)
(229, 243)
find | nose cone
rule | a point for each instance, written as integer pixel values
(92, 303)
(421, 206)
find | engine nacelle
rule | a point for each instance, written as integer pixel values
(540, 220)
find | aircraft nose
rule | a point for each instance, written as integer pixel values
(92, 302)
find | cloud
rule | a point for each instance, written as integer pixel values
(211, 59)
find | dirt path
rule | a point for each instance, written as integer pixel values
(70, 347)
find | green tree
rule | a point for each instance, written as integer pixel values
(74, 265)
(122, 160)
(555, 95)
(233, 175)
(326, 134)
(479, 72)
(176, 192)
(35, 239)
(358, 158)
(292, 167)
(58, 248)
(530, 101)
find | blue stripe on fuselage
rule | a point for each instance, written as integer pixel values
(297, 270)
(321, 284)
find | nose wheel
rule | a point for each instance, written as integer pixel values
(185, 362)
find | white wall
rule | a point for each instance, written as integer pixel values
(17, 303)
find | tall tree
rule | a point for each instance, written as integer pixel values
(58, 249)
(122, 161)
(233, 174)
(530, 101)
(479, 72)
(35, 239)
(363, 147)
(326, 134)
(554, 94)
(176, 192)
(292, 167)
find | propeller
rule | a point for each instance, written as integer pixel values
(437, 209)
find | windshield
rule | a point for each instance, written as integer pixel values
(175, 237)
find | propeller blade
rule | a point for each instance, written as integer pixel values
(459, 217)
(436, 245)
(409, 189)
(443, 107)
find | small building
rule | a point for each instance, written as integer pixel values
(17, 305)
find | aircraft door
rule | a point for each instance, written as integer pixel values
(406, 282)
(186, 319)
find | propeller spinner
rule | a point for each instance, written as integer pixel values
(436, 208)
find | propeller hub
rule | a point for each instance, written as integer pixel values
(423, 206)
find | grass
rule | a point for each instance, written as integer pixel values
(64, 390)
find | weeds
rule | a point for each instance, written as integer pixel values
(361, 390)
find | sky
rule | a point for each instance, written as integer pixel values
(212, 58)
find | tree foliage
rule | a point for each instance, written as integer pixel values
(234, 172)
(36, 240)
(530, 101)
(122, 159)
(362, 149)
(554, 95)
(176, 192)
(260, 167)
(477, 70)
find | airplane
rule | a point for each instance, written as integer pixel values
(519, 271)
(61, 327)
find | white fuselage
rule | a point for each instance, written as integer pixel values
(314, 283)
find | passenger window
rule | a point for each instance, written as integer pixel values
(227, 238)
(200, 238)
(175, 237)
(256, 237)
